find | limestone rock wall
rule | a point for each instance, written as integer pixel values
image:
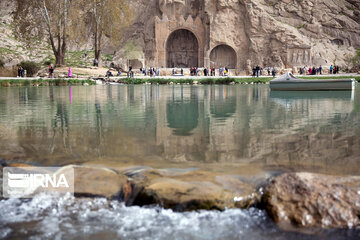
(282, 33)
(286, 33)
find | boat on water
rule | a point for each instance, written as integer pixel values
(289, 82)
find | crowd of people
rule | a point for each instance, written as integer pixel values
(318, 70)
(224, 71)
(195, 71)
(311, 70)
(334, 69)
(259, 71)
(152, 72)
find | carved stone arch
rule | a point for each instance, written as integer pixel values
(223, 55)
(187, 29)
(182, 49)
(165, 27)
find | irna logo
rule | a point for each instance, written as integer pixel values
(43, 180)
(27, 182)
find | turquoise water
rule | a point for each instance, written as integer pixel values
(231, 129)
(215, 127)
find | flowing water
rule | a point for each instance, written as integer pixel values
(237, 130)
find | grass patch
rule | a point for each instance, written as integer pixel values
(45, 82)
(161, 81)
(300, 26)
(216, 81)
(6, 51)
(270, 3)
(357, 78)
(79, 58)
(84, 58)
(108, 57)
(205, 81)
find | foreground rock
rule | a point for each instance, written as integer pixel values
(98, 182)
(194, 190)
(314, 200)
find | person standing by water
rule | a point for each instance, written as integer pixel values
(69, 73)
(51, 71)
(22, 71)
(274, 72)
(269, 70)
(320, 70)
(19, 71)
(331, 69)
(257, 70)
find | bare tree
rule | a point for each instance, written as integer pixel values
(107, 18)
(45, 19)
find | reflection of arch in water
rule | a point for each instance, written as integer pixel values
(223, 56)
(222, 106)
(182, 116)
(182, 49)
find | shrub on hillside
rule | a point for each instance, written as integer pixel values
(356, 61)
(1, 63)
(31, 68)
(50, 61)
(47, 63)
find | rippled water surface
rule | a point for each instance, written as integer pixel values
(47, 217)
(243, 130)
(215, 127)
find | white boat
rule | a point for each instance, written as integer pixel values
(289, 82)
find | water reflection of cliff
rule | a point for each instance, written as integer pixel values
(230, 124)
(183, 115)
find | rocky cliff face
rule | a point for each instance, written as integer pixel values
(285, 33)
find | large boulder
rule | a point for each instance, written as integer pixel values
(193, 190)
(314, 200)
(186, 196)
(98, 182)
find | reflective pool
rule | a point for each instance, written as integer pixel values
(211, 127)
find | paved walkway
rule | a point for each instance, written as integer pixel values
(177, 77)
